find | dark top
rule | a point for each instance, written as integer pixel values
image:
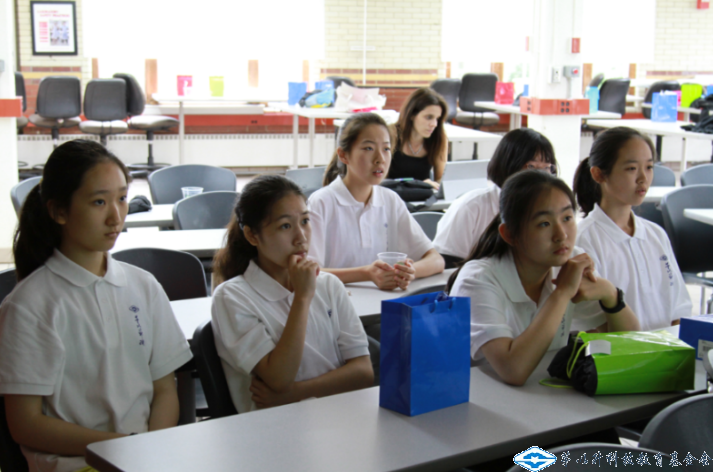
(403, 165)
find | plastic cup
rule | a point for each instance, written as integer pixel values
(392, 258)
(190, 191)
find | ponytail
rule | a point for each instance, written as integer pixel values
(38, 234)
(334, 168)
(588, 191)
(252, 209)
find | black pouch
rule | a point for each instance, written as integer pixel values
(138, 204)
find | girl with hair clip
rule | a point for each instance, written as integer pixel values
(527, 280)
(284, 330)
(354, 218)
(469, 215)
(88, 345)
(421, 142)
(632, 252)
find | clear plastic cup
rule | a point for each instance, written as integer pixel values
(190, 191)
(392, 258)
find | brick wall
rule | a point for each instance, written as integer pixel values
(684, 40)
(33, 68)
(405, 35)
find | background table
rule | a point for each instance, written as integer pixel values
(655, 194)
(702, 215)
(199, 242)
(159, 215)
(349, 432)
(516, 113)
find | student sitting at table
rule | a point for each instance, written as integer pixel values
(354, 218)
(527, 280)
(469, 215)
(88, 345)
(284, 331)
(421, 144)
(632, 252)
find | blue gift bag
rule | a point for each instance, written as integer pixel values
(593, 95)
(323, 85)
(664, 107)
(425, 353)
(526, 90)
(709, 90)
(296, 91)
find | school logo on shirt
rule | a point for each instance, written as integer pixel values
(667, 265)
(134, 308)
(329, 312)
(534, 459)
(139, 329)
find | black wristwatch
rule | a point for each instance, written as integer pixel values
(620, 303)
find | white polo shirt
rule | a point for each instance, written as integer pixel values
(500, 308)
(347, 233)
(466, 220)
(90, 346)
(249, 315)
(642, 265)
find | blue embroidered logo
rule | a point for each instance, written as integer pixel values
(329, 312)
(664, 258)
(534, 459)
(667, 264)
(134, 308)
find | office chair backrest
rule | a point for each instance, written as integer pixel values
(105, 100)
(211, 210)
(684, 426)
(166, 183)
(20, 89)
(612, 95)
(210, 371)
(701, 174)
(8, 281)
(180, 274)
(309, 179)
(690, 239)
(59, 97)
(20, 191)
(338, 80)
(428, 220)
(596, 80)
(663, 177)
(135, 101)
(449, 89)
(476, 87)
(662, 86)
(11, 457)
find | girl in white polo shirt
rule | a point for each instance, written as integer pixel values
(88, 345)
(526, 279)
(284, 331)
(632, 252)
(469, 215)
(354, 218)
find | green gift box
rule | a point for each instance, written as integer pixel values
(689, 93)
(216, 86)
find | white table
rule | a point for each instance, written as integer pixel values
(199, 242)
(698, 214)
(364, 295)
(349, 432)
(655, 194)
(159, 215)
(516, 113)
(660, 129)
(207, 106)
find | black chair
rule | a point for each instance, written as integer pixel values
(19, 192)
(449, 90)
(135, 104)
(690, 239)
(685, 427)
(596, 80)
(594, 456)
(105, 108)
(338, 80)
(11, 457)
(210, 371)
(211, 210)
(476, 87)
(21, 92)
(8, 281)
(612, 95)
(663, 177)
(700, 174)
(166, 183)
(656, 87)
(428, 220)
(179, 273)
(59, 104)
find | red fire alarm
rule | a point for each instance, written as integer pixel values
(703, 4)
(575, 45)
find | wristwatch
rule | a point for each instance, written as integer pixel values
(620, 303)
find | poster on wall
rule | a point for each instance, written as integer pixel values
(54, 28)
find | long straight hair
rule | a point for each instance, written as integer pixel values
(38, 234)
(348, 135)
(517, 200)
(256, 201)
(437, 143)
(604, 154)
